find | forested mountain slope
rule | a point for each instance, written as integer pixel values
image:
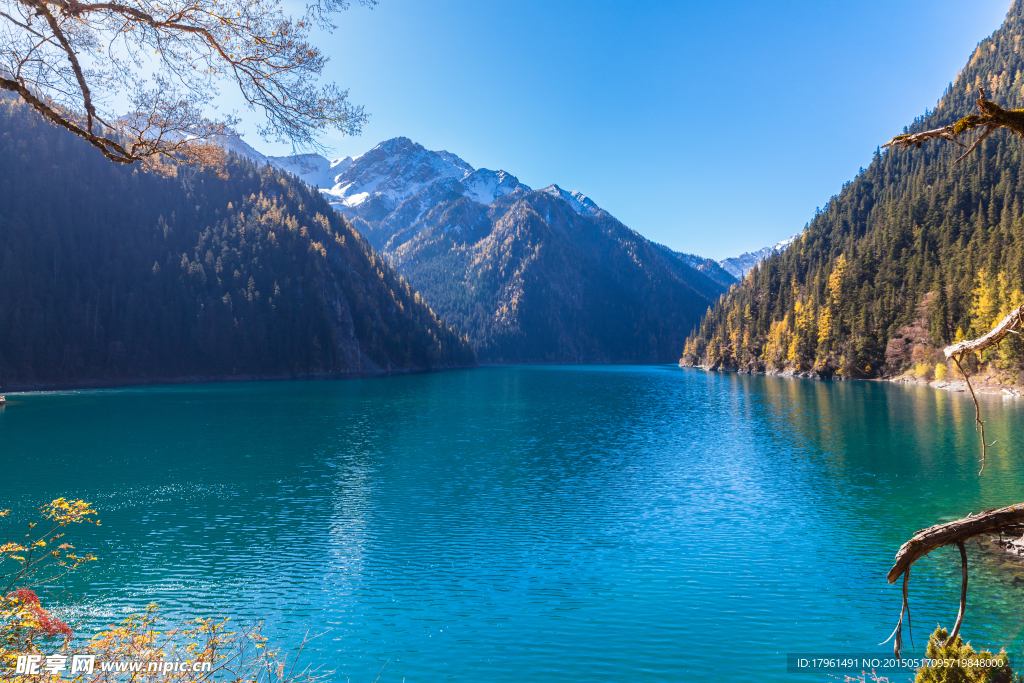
(530, 279)
(110, 274)
(913, 253)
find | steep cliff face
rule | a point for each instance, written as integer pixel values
(915, 252)
(110, 274)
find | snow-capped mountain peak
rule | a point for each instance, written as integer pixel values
(399, 181)
(738, 266)
(580, 203)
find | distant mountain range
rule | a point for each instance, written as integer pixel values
(346, 191)
(528, 275)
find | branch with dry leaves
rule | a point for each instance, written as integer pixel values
(211, 650)
(81, 65)
(990, 117)
(1009, 519)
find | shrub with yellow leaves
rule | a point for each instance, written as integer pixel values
(38, 558)
(140, 648)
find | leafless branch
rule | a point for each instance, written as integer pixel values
(1003, 520)
(1005, 326)
(979, 425)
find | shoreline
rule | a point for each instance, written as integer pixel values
(981, 384)
(119, 383)
(125, 383)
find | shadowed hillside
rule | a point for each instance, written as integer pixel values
(110, 274)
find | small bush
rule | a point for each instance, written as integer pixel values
(956, 652)
(923, 370)
(940, 371)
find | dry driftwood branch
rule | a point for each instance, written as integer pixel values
(949, 533)
(963, 593)
(979, 424)
(897, 632)
(989, 118)
(1007, 325)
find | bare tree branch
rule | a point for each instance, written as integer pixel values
(1010, 518)
(979, 424)
(1006, 326)
(963, 592)
(1003, 520)
(990, 117)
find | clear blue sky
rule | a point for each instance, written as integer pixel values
(714, 128)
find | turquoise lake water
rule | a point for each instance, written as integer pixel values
(530, 523)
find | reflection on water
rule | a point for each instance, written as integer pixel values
(530, 523)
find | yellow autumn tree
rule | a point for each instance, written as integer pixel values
(826, 315)
(777, 344)
(1009, 296)
(985, 304)
(804, 337)
(836, 279)
(994, 296)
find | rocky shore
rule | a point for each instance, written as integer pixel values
(1005, 554)
(981, 384)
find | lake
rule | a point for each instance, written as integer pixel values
(543, 523)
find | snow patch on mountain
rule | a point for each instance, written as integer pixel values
(233, 143)
(738, 266)
(580, 203)
(392, 172)
(484, 186)
(314, 169)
